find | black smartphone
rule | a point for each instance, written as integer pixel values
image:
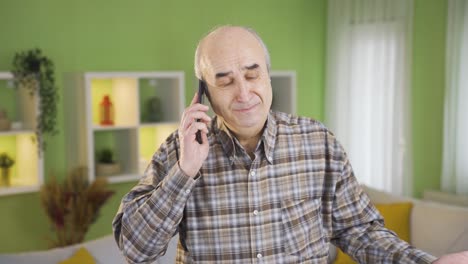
(201, 92)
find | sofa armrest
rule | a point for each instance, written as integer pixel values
(446, 198)
(439, 228)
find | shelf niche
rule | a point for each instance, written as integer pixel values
(18, 141)
(133, 137)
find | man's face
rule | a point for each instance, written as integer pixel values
(235, 70)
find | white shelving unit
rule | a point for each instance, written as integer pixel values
(284, 91)
(134, 136)
(18, 142)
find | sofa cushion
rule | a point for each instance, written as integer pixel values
(436, 228)
(381, 197)
(81, 256)
(38, 257)
(104, 250)
(397, 219)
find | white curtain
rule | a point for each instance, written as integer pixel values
(368, 88)
(455, 155)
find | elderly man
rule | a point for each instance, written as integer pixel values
(261, 186)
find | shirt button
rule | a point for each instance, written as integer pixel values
(255, 212)
(252, 173)
(259, 255)
(187, 191)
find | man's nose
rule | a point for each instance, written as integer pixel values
(243, 90)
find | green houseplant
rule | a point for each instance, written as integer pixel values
(106, 156)
(6, 162)
(34, 71)
(72, 206)
(106, 165)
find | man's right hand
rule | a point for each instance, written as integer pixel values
(193, 154)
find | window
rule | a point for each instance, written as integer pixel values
(367, 89)
(455, 153)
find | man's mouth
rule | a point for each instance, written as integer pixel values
(244, 109)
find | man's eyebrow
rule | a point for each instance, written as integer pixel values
(222, 74)
(252, 67)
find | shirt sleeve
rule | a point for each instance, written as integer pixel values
(150, 213)
(358, 227)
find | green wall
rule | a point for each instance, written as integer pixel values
(145, 35)
(157, 35)
(428, 92)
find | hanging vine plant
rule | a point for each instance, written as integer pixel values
(35, 72)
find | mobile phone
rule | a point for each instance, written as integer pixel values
(201, 92)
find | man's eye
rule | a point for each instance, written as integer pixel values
(227, 84)
(251, 76)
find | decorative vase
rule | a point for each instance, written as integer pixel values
(107, 111)
(5, 177)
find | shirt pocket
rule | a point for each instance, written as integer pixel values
(303, 234)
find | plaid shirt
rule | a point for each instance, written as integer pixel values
(286, 205)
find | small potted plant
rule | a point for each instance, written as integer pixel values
(106, 165)
(5, 164)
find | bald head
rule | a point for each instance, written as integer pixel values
(222, 39)
(234, 64)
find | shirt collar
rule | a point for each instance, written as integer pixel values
(269, 137)
(227, 140)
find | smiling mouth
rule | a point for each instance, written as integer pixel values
(246, 109)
